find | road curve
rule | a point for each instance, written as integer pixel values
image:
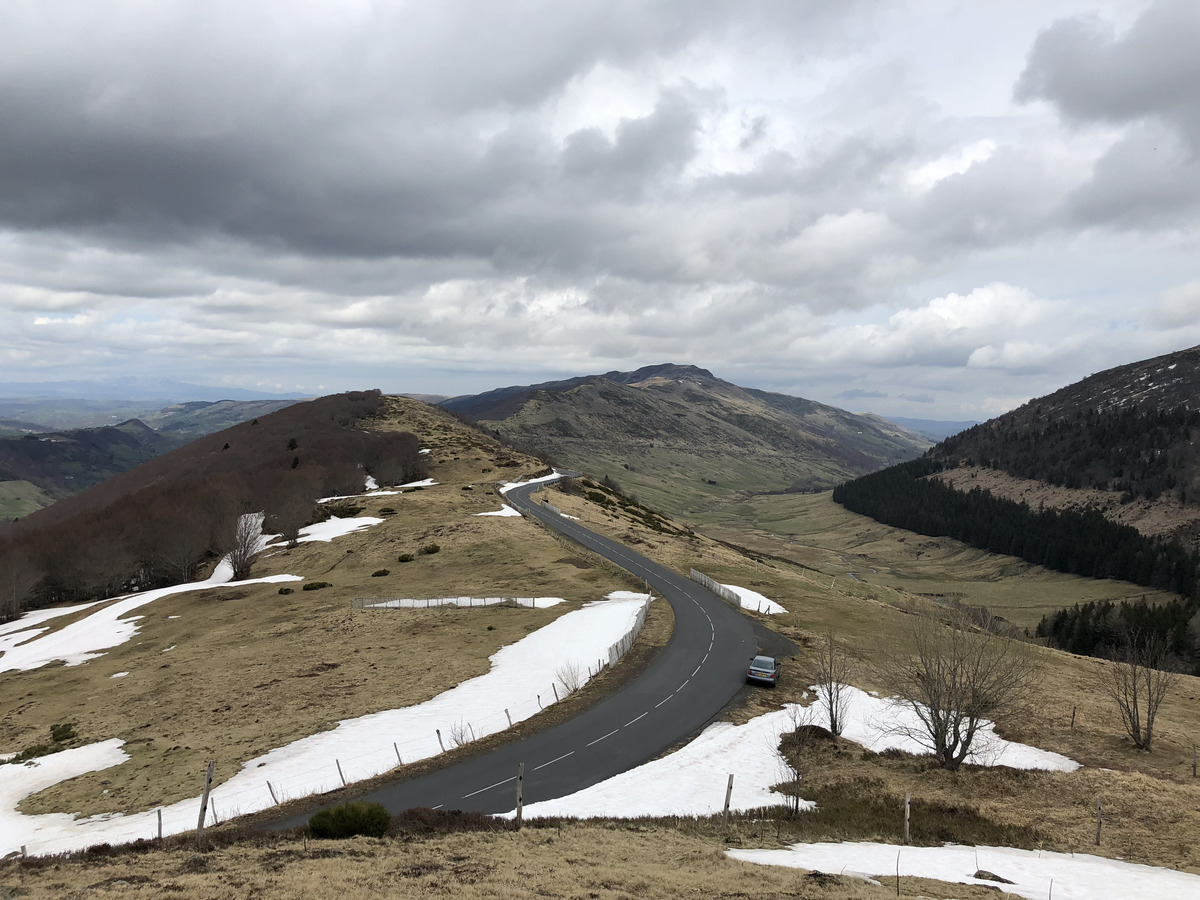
(690, 681)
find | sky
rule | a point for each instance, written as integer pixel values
(932, 209)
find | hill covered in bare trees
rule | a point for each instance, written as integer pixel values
(157, 523)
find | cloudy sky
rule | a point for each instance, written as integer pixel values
(932, 208)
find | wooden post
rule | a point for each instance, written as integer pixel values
(1072, 718)
(24, 852)
(272, 790)
(520, 800)
(555, 686)
(897, 873)
(509, 717)
(160, 823)
(439, 734)
(1193, 760)
(340, 775)
(399, 761)
(471, 729)
(728, 795)
(539, 696)
(1099, 819)
(213, 810)
(907, 801)
(204, 801)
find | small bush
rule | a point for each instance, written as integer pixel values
(316, 585)
(430, 549)
(286, 591)
(379, 573)
(370, 819)
(387, 511)
(60, 734)
(343, 510)
(405, 557)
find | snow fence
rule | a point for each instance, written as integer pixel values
(730, 597)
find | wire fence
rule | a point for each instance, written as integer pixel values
(461, 602)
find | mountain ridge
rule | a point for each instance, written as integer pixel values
(681, 438)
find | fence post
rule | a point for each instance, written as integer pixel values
(1072, 718)
(509, 717)
(1099, 819)
(520, 801)
(272, 790)
(555, 686)
(160, 823)
(399, 761)
(907, 800)
(728, 795)
(439, 734)
(340, 775)
(204, 801)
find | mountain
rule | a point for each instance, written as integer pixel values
(680, 438)
(1122, 441)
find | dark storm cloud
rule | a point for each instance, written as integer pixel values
(1091, 74)
(1144, 80)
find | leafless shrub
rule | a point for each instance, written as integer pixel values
(954, 678)
(1138, 679)
(460, 733)
(570, 676)
(247, 535)
(833, 677)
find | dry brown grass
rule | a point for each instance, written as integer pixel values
(252, 669)
(593, 861)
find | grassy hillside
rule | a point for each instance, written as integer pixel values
(252, 668)
(680, 439)
(20, 498)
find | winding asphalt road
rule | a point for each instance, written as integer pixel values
(691, 680)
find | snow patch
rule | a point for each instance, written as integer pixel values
(504, 510)
(755, 601)
(1076, 876)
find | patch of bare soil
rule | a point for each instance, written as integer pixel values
(1166, 516)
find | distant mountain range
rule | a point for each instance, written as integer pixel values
(680, 438)
(132, 389)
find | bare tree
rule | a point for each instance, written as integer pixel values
(1138, 679)
(570, 676)
(18, 578)
(833, 681)
(955, 679)
(247, 536)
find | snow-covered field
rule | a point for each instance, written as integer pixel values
(1037, 874)
(692, 780)
(522, 680)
